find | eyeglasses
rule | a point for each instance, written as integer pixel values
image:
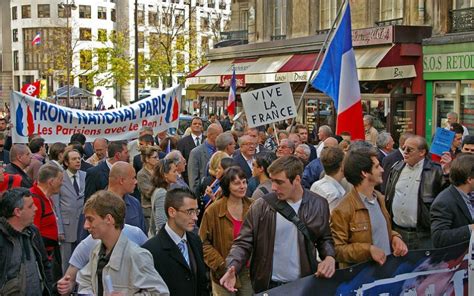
(408, 149)
(190, 212)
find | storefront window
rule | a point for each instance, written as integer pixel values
(318, 113)
(467, 105)
(446, 96)
(376, 108)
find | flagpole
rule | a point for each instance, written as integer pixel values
(318, 58)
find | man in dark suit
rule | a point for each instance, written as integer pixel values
(392, 158)
(188, 143)
(70, 200)
(97, 178)
(384, 145)
(245, 156)
(176, 250)
(452, 212)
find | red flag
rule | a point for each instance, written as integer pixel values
(31, 89)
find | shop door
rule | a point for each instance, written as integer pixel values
(402, 117)
(446, 95)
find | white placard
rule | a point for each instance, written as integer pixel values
(270, 104)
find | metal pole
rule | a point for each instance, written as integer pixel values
(136, 52)
(68, 55)
(318, 58)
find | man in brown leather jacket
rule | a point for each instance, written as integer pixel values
(276, 247)
(358, 221)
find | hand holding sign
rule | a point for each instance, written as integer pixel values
(442, 141)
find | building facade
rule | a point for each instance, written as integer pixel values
(285, 36)
(85, 36)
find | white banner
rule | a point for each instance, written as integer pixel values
(56, 123)
(269, 104)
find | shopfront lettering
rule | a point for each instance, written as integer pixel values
(371, 36)
(448, 62)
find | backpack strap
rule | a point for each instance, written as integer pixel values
(264, 190)
(43, 206)
(289, 214)
(10, 181)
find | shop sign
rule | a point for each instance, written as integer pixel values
(225, 80)
(301, 76)
(452, 62)
(372, 36)
(270, 104)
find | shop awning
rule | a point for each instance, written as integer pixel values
(297, 68)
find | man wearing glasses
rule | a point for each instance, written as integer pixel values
(176, 250)
(411, 188)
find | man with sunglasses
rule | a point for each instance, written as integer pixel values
(411, 188)
(176, 250)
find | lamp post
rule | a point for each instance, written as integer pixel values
(68, 6)
(135, 51)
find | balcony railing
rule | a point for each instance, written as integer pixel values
(234, 35)
(396, 21)
(278, 37)
(462, 20)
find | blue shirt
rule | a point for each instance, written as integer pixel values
(134, 213)
(210, 149)
(312, 173)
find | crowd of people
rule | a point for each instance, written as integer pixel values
(222, 211)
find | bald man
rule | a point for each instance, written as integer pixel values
(20, 159)
(199, 156)
(312, 172)
(100, 151)
(122, 181)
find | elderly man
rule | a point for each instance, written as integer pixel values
(324, 132)
(360, 224)
(246, 154)
(452, 212)
(277, 250)
(180, 162)
(384, 145)
(50, 180)
(370, 131)
(285, 148)
(303, 152)
(199, 156)
(453, 117)
(100, 151)
(412, 186)
(225, 142)
(20, 159)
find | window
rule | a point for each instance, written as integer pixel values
(141, 17)
(102, 35)
(211, 3)
(205, 23)
(460, 4)
(43, 11)
(141, 40)
(85, 34)
(244, 19)
(204, 44)
(102, 59)
(84, 11)
(279, 18)
(62, 11)
(153, 18)
(85, 59)
(327, 13)
(113, 15)
(16, 66)
(391, 9)
(102, 13)
(15, 35)
(85, 82)
(26, 11)
(14, 13)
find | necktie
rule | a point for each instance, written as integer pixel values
(184, 250)
(76, 186)
(197, 142)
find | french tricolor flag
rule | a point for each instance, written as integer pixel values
(337, 78)
(232, 95)
(37, 39)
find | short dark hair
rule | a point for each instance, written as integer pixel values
(12, 199)
(230, 175)
(115, 147)
(36, 144)
(356, 162)
(56, 149)
(291, 165)
(77, 146)
(264, 159)
(455, 127)
(104, 203)
(331, 159)
(196, 118)
(468, 140)
(175, 198)
(461, 169)
(300, 126)
(3, 119)
(78, 138)
(147, 138)
(173, 143)
(227, 162)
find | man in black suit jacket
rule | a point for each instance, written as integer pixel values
(188, 143)
(97, 178)
(176, 250)
(20, 157)
(452, 220)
